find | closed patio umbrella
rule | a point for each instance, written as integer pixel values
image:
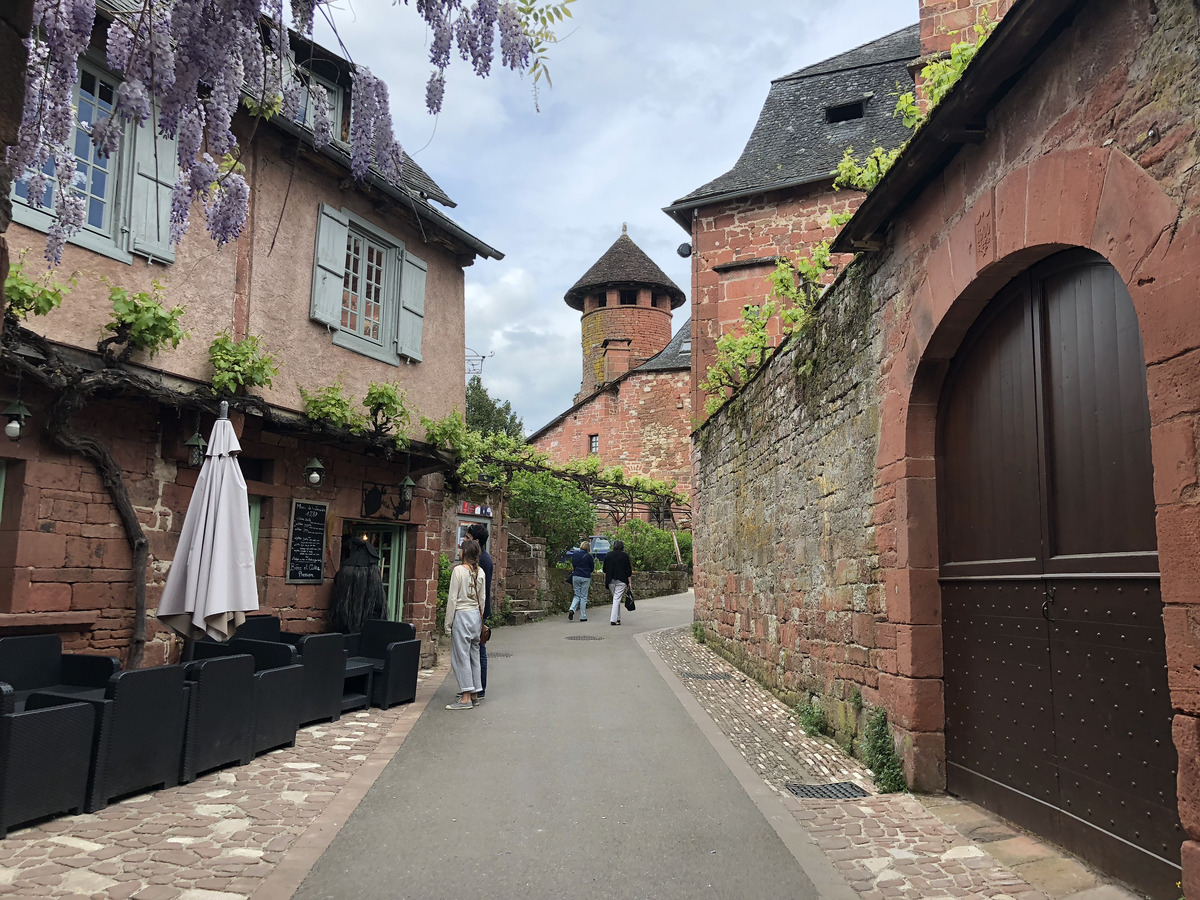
(211, 586)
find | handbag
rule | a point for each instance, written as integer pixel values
(485, 634)
(629, 604)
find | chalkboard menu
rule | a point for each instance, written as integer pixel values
(306, 542)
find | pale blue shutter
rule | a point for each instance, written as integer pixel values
(154, 171)
(412, 306)
(329, 266)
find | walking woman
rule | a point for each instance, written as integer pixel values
(582, 567)
(618, 573)
(464, 622)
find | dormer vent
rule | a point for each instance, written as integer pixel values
(845, 112)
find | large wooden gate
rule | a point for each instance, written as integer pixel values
(1058, 714)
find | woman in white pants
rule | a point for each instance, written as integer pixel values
(464, 622)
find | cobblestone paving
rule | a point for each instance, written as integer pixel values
(885, 845)
(214, 839)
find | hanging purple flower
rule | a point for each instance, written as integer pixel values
(226, 211)
(434, 92)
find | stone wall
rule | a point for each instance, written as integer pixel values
(946, 22)
(641, 331)
(65, 561)
(735, 247)
(786, 558)
(643, 422)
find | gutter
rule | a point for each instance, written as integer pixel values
(679, 207)
(960, 119)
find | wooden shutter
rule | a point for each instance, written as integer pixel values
(154, 171)
(329, 265)
(412, 306)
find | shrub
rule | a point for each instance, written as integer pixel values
(879, 753)
(650, 548)
(445, 569)
(556, 510)
(812, 718)
(240, 364)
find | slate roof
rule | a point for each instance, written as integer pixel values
(673, 356)
(793, 143)
(624, 263)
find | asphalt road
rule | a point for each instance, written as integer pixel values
(581, 775)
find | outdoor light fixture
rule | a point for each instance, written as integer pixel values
(17, 413)
(406, 487)
(196, 445)
(314, 472)
(684, 250)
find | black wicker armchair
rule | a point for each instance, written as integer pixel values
(220, 723)
(394, 652)
(45, 751)
(323, 658)
(35, 662)
(140, 719)
(278, 688)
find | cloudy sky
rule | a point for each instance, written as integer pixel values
(651, 99)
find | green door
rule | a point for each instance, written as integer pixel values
(389, 541)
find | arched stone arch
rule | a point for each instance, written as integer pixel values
(1095, 198)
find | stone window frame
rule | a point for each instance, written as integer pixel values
(593, 443)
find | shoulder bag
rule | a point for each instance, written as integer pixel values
(485, 633)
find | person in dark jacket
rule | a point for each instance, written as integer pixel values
(479, 532)
(583, 564)
(618, 575)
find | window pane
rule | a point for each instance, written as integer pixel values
(96, 213)
(87, 81)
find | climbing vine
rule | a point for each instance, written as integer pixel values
(240, 364)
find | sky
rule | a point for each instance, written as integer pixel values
(650, 100)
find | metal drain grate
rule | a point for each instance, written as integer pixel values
(841, 790)
(584, 637)
(498, 654)
(708, 676)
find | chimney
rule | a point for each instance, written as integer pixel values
(616, 358)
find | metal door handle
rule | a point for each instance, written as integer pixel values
(1046, 603)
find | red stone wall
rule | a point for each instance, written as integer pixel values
(65, 561)
(946, 22)
(646, 328)
(644, 423)
(735, 246)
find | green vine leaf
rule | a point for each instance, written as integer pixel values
(240, 364)
(25, 296)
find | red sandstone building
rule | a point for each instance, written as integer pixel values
(317, 248)
(989, 442)
(778, 198)
(634, 407)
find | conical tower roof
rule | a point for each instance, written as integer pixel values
(624, 264)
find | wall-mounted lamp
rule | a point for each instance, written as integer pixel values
(684, 250)
(17, 413)
(196, 445)
(406, 488)
(314, 473)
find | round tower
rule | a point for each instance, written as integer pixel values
(626, 301)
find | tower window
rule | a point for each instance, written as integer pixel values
(629, 298)
(602, 299)
(845, 112)
(593, 443)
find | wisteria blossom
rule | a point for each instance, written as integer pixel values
(186, 65)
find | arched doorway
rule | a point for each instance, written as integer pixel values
(1058, 714)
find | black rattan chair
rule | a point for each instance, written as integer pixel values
(323, 658)
(140, 719)
(220, 723)
(35, 662)
(45, 752)
(393, 650)
(278, 688)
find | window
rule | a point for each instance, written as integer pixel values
(333, 102)
(127, 195)
(255, 503)
(602, 299)
(629, 298)
(593, 443)
(845, 112)
(367, 288)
